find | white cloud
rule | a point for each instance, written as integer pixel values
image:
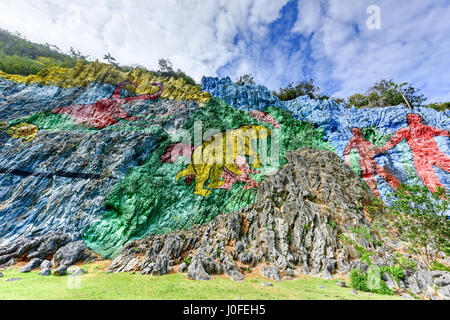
(197, 36)
(328, 40)
(411, 46)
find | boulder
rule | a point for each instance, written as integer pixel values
(182, 268)
(445, 292)
(46, 264)
(60, 271)
(271, 272)
(441, 278)
(45, 272)
(420, 281)
(78, 272)
(32, 264)
(30, 248)
(196, 271)
(70, 253)
(326, 275)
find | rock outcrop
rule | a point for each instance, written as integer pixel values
(38, 251)
(297, 221)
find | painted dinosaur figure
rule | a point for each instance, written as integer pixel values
(105, 112)
(225, 153)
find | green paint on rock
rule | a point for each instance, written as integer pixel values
(149, 201)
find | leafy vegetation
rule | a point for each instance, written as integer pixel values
(420, 219)
(166, 70)
(303, 88)
(360, 281)
(436, 265)
(246, 79)
(442, 106)
(22, 57)
(19, 56)
(386, 93)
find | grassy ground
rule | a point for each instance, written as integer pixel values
(98, 285)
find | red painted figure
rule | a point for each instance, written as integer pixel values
(426, 153)
(264, 117)
(230, 177)
(104, 112)
(369, 167)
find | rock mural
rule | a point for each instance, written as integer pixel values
(385, 146)
(104, 112)
(86, 154)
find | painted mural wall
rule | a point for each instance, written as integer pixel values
(95, 152)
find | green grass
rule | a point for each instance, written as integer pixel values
(97, 284)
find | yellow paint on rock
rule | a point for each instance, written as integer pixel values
(82, 75)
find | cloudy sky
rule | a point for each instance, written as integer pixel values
(277, 41)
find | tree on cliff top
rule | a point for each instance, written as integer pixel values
(385, 93)
(305, 87)
(246, 79)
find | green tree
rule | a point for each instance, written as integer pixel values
(246, 79)
(358, 100)
(386, 93)
(165, 69)
(165, 65)
(111, 60)
(305, 87)
(421, 219)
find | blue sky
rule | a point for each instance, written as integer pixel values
(278, 42)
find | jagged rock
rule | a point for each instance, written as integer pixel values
(342, 284)
(78, 272)
(407, 296)
(267, 284)
(441, 278)
(390, 282)
(445, 292)
(326, 275)
(157, 267)
(46, 264)
(196, 271)
(60, 271)
(420, 281)
(71, 253)
(45, 272)
(271, 272)
(34, 263)
(313, 187)
(182, 268)
(432, 294)
(30, 248)
(1, 275)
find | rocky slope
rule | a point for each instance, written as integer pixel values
(295, 221)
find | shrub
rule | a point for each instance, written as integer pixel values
(421, 220)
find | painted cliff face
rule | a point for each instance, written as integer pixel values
(385, 146)
(105, 164)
